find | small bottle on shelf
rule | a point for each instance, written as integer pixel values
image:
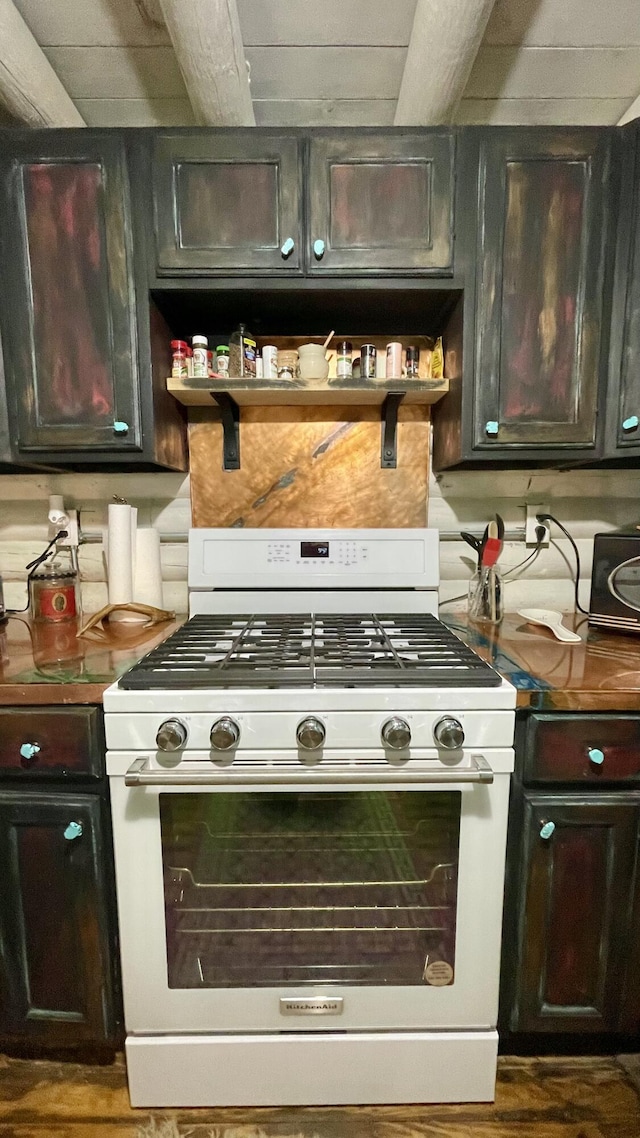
(222, 359)
(242, 353)
(200, 358)
(344, 363)
(412, 366)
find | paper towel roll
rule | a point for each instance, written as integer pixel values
(147, 581)
(119, 548)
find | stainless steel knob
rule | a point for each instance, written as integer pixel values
(396, 733)
(172, 735)
(448, 733)
(225, 734)
(310, 733)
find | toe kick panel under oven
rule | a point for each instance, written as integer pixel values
(319, 902)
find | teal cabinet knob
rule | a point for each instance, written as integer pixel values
(73, 831)
(547, 830)
(318, 249)
(491, 427)
(596, 755)
(29, 750)
(120, 428)
(287, 247)
(630, 423)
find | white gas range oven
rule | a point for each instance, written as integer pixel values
(309, 785)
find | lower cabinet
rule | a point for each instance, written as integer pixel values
(570, 955)
(56, 953)
(573, 919)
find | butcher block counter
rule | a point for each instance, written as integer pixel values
(43, 663)
(600, 674)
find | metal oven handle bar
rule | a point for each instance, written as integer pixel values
(139, 775)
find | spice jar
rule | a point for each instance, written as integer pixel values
(344, 366)
(412, 362)
(179, 360)
(222, 359)
(269, 361)
(242, 353)
(368, 361)
(200, 361)
(394, 360)
(287, 364)
(209, 362)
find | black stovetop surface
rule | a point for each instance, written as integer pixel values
(311, 650)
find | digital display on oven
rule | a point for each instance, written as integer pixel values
(314, 548)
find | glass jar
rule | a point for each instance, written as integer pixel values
(179, 367)
(222, 359)
(412, 367)
(200, 359)
(344, 366)
(287, 364)
(368, 361)
(313, 363)
(242, 353)
(485, 597)
(54, 594)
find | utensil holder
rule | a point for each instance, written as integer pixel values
(485, 596)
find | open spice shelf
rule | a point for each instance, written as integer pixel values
(264, 393)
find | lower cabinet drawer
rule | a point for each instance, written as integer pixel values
(582, 748)
(57, 742)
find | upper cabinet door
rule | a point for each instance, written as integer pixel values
(66, 298)
(381, 202)
(227, 201)
(623, 412)
(542, 245)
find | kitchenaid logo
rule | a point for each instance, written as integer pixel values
(313, 1005)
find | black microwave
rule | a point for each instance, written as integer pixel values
(615, 580)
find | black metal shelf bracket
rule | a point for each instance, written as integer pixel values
(389, 421)
(230, 429)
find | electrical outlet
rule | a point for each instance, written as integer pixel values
(531, 522)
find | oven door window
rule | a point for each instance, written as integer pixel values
(272, 889)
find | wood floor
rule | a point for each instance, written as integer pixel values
(536, 1098)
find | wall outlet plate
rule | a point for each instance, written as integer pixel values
(532, 509)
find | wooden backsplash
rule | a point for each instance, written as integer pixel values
(310, 466)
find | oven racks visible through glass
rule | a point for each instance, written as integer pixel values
(312, 650)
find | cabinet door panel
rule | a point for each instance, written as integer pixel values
(55, 968)
(69, 313)
(623, 412)
(226, 202)
(541, 270)
(574, 912)
(381, 201)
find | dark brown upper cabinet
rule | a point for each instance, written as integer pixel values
(77, 336)
(577, 874)
(537, 202)
(623, 403)
(227, 201)
(380, 202)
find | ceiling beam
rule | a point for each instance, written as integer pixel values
(207, 41)
(444, 42)
(29, 87)
(632, 112)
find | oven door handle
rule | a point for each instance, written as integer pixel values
(138, 774)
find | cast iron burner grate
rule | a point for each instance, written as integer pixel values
(312, 650)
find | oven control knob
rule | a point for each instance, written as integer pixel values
(396, 733)
(172, 735)
(311, 733)
(448, 733)
(225, 734)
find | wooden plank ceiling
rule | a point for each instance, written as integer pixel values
(323, 62)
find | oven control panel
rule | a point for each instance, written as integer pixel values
(301, 558)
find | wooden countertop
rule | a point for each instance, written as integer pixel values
(47, 664)
(600, 674)
(44, 663)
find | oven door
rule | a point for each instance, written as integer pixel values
(309, 900)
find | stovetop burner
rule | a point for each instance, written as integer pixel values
(314, 651)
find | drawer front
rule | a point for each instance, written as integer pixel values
(583, 748)
(51, 742)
